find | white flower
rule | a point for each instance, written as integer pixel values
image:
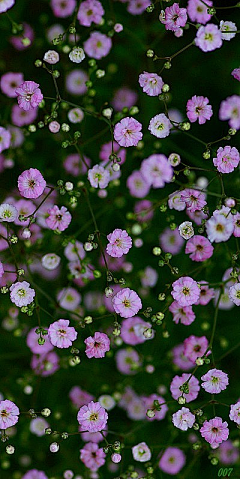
(186, 230)
(175, 202)
(160, 126)
(50, 261)
(234, 294)
(77, 55)
(51, 57)
(107, 402)
(75, 115)
(183, 419)
(228, 27)
(141, 452)
(8, 212)
(219, 228)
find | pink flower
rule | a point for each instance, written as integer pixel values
(236, 73)
(197, 11)
(175, 17)
(235, 412)
(126, 303)
(45, 364)
(5, 139)
(182, 314)
(195, 347)
(206, 294)
(58, 219)
(208, 38)
(29, 95)
(193, 199)
(183, 419)
(227, 159)
(90, 11)
(136, 7)
(35, 474)
(9, 413)
(128, 361)
(61, 334)
(160, 126)
(171, 241)
(92, 456)
(9, 82)
(98, 177)
(97, 345)
(93, 417)
(151, 83)
(215, 381)
(79, 397)
(63, 8)
(138, 186)
(180, 360)
(119, 243)
(172, 460)
(199, 248)
(230, 110)
(149, 404)
(32, 343)
(185, 291)
(193, 387)
(98, 45)
(215, 431)
(127, 132)
(132, 330)
(124, 97)
(156, 170)
(31, 183)
(21, 294)
(198, 109)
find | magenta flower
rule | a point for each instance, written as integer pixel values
(97, 346)
(236, 73)
(192, 384)
(199, 248)
(31, 183)
(172, 460)
(215, 381)
(195, 347)
(215, 431)
(35, 473)
(21, 294)
(183, 419)
(29, 95)
(93, 417)
(235, 412)
(9, 82)
(199, 110)
(92, 456)
(227, 159)
(61, 334)
(9, 413)
(132, 330)
(127, 132)
(151, 83)
(119, 243)
(126, 303)
(208, 38)
(62, 8)
(58, 219)
(185, 291)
